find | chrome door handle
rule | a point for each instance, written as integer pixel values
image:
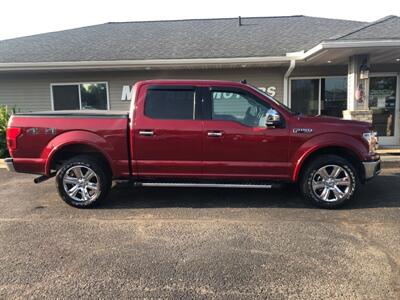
(214, 133)
(146, 132)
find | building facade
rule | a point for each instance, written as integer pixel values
(316, 66)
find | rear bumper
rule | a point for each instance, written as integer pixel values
(9, 164)
(372, 168)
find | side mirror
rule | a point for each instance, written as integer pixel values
(273, 118)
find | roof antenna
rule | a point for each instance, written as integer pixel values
(240, 20)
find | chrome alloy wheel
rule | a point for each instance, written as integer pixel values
(331, 183)
(81, 183)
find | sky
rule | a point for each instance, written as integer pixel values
(28, 17)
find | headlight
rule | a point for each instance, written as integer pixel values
(372, 140)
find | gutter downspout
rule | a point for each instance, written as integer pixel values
(286, 81)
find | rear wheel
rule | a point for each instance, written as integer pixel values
(83, 182)
(329, 181)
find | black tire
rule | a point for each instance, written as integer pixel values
(92, 191)
(311, 180)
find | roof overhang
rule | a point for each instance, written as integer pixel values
(148, 64)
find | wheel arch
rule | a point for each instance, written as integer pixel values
(344, 152)
(73, 144)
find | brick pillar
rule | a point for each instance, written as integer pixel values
(357, 109)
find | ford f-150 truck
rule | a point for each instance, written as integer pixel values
(194, 133)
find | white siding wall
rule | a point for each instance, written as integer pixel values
(30, 91)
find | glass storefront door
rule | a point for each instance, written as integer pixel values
(383, 101)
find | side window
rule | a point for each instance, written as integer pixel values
(238, 107)
(170, 104)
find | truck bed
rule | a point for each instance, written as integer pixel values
(45, 132)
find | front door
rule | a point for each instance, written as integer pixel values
(384, 103)
(237, 143)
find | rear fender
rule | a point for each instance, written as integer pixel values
(76, 137)
(324, 141)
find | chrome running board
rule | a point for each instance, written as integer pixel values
(206, 185)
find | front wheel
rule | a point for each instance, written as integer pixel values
(329, 181)
(83, 182)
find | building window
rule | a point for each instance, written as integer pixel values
(325, 96)
(170, 104)
(304, 96)
(75, 96)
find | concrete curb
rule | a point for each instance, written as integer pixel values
(390, 162)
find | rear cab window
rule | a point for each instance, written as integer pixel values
(170, 103)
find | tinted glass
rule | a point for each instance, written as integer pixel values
(94, 95)
(238, 107)
(170, 104)
(382, 102)
(333, 96)
(305, 96)
(66, 97)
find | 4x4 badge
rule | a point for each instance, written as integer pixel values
(302, 130)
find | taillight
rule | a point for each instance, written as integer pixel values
(12, 135)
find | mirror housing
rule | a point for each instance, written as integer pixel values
(273, 118)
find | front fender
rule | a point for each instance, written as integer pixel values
(76, 137)
(324, 141)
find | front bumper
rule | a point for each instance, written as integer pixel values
(9, 164)
(372, 168)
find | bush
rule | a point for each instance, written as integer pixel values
(4, 116)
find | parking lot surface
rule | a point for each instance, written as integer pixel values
(199, 243)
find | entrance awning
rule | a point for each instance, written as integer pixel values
(338, 52)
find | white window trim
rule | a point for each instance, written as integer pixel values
(78, 84)
(319, 87)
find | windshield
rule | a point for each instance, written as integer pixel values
(280, 104)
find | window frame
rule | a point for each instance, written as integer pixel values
(208, 103)
(197, 100)
(319, 78)
(79, 91)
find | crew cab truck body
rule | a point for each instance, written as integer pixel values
(194, 133)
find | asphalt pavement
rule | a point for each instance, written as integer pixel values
(175, 243)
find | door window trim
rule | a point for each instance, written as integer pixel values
(197, 108)
(207, 102)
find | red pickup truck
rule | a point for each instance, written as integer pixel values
(194, 133)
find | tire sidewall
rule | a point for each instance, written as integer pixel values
(310, 172)
(96, 167)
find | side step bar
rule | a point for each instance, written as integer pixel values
(206, 185)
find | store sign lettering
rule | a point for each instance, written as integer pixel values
(271, 91)
(127, 92)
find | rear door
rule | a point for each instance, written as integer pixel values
(237, 143)
(168, 132)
